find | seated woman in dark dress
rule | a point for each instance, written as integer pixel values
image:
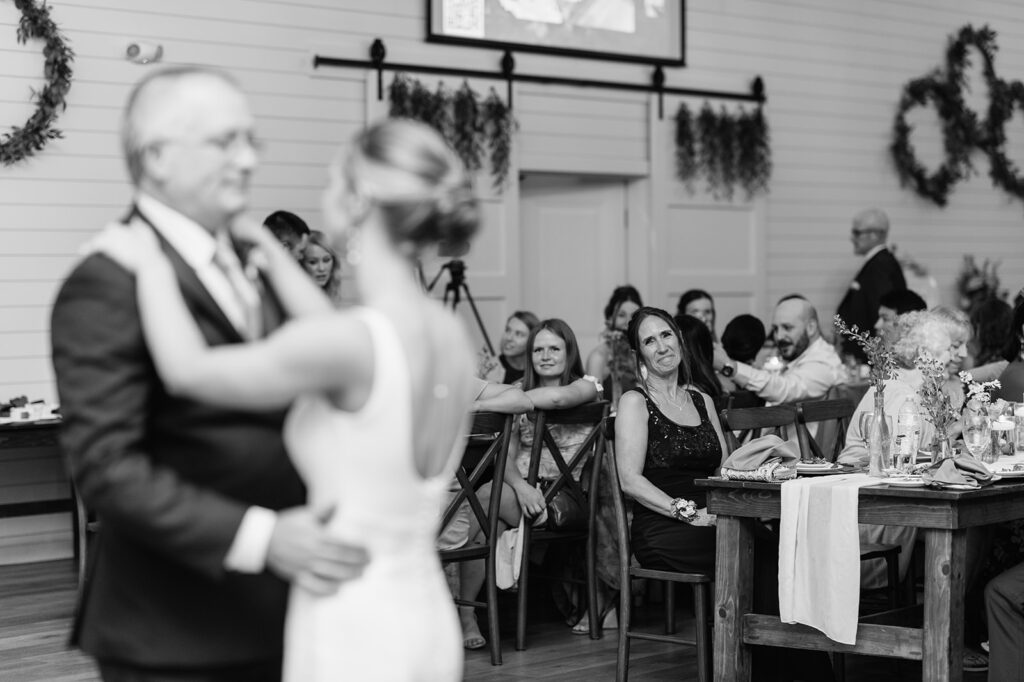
(667, 436)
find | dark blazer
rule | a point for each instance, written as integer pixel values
(859, 306)
(169, 479)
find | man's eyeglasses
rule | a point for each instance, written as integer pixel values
(228, 142)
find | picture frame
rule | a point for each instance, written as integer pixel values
(644, 31)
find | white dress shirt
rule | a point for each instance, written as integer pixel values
(807, 376)
(197, 246)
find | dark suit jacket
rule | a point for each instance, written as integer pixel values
(876, 278)
(169, 479)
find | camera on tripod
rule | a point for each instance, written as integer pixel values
(453, 292)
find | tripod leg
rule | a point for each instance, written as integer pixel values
(476, 314)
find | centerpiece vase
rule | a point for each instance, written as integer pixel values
(941, 448)
(879, 438)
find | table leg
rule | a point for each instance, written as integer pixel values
(734, 597)
(945, 565)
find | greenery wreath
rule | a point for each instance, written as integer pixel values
(26, 140)
(1003, 171)
(935, 186)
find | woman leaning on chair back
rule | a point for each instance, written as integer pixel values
(666, 437)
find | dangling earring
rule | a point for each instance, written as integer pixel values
(354, 249)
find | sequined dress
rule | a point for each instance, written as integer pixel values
(676, 456)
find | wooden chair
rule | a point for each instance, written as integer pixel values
(744, 423)
(700, 583)
(494, 430)
(833, 419)
(587, 458)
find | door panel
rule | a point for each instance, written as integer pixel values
(574, 248)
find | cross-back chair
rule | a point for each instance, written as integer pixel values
(744, 423)
(833, 419)
(586, 459)
(493, 432)
(700, 583)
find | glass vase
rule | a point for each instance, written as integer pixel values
(941, 448)
(879, 438)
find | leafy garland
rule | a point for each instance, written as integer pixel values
(25, 141)
(962, 132)
(727, 149)
(470, 125)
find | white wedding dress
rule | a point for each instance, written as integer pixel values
(397, 622)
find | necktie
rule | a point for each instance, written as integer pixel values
(245, 293)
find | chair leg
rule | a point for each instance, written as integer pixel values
(625, 619)
(670, 607)
(892, 568)
(702, 627)
(594, 606)
(493, 630)
(524, 580)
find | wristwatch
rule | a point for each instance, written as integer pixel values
(728, 370)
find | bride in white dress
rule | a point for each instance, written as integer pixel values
(381, 394)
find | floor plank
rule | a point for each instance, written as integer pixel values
(37, 602)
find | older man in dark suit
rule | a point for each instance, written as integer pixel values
(201, 513)
(880, 274)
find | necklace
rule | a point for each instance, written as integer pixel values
(677, 405)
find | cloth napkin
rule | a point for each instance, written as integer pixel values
(768, 458)
(819, 554)
(957, 471)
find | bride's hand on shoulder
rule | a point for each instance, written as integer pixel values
(133, 247)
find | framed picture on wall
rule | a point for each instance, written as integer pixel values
(647, 31)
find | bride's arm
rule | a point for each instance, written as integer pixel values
(315, 353)
(298, 293)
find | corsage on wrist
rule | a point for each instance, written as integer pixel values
(682, 509)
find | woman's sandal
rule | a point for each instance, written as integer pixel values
(610, 618)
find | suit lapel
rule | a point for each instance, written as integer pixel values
(196, 296)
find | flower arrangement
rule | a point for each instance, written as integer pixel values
(934, 398)
(880, 356)
(978, 391)
(975, 284)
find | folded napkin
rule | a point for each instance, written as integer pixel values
(957, 471)
(768, 458)
(819, 554)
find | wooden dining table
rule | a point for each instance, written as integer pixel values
(943, 517)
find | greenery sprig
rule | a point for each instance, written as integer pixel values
(881, 358)
(470, 126)
(934, 398)
(729, 149)
(23, 142)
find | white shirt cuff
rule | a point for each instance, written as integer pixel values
(248, 553)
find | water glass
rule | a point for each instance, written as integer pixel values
(1018, 420)
(977, 433)
(1003, 430)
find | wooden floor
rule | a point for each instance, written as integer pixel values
(36, 603)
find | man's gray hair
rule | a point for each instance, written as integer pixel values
(132, 145)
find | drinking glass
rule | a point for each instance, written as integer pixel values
(977, 432)
(1003, 430)
(1018, 419)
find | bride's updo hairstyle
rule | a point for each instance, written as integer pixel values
(420, 186)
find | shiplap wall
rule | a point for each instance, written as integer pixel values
(833, 70)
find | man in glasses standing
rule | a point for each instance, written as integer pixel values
(201, 515)
(880, 274)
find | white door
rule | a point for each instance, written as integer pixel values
(574, 249)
